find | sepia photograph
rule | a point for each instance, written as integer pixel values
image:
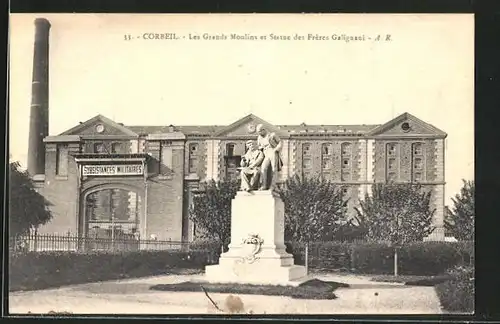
(241, 164)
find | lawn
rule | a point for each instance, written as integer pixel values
(312, 289)
(412, 280)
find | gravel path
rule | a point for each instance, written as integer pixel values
(133, 296)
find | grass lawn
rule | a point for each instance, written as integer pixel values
(412, 280)
(312, 289)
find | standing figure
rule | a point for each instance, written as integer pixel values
(270, 145)
(250, 163)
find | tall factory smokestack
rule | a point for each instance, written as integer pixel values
(39, 112)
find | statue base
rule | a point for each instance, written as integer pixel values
(258, 213)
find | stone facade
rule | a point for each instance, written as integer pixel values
(175, 159)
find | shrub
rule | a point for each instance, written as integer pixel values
(457, 294)
(420, 258)
(429, 258)
(39, 270)
(322, 255)
(373, 258)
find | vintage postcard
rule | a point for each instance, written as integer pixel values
(241, 164)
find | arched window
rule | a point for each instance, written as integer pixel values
(112, 212)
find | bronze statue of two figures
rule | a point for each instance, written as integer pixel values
(261, 161)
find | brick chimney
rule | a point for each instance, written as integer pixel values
(39, 112)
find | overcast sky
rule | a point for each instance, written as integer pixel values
(427, 69)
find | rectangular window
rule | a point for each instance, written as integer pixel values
(346, 163)
(307, 163)
(391, 176)
(306, 148)
(417, 149)
(346, 176)
(391, 164)
(116, 148)
(193, 158)
(417, 176)
(325, 149)
(418, 164)
(99, 148)
(391, 149)
(166, 158)
(326, 163)
(62, 160)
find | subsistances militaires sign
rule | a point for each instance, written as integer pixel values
(112, 170)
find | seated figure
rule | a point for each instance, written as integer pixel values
(250, 167)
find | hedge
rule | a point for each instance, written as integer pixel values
(457, 294)
(41, 270)
(421, 258)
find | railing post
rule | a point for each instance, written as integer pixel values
(307, 258)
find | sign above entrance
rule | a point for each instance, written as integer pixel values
(112, 170)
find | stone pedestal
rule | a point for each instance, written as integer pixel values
(261, 213)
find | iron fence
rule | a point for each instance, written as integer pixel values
(71, 242)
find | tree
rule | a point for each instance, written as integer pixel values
(211, 209)
(28, 208)
(460, 219)
(397, 214)
(314, 208)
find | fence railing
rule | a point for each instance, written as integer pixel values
(331, 255)
(46, 242)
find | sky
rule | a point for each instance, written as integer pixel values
(425, 69)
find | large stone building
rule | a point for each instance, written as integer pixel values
(140, 179)
(144, 175)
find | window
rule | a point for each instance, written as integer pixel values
(346, 161)
(326, 158)
(346, 176)
(99, 148)
(392, 161)
(306, 149)
(306, 159)
(230, 150)
(325, 149)
(391, 149)
(62, 160)
(417, 149)
(326, 164)
(346, 149)
(307, 163)
(165, 158)
(112, 212)
(417, 161)
(391, 164)
(193, 158)
(417, 164)
(116, 148)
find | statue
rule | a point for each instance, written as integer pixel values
(270, 145)
(250, 167)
